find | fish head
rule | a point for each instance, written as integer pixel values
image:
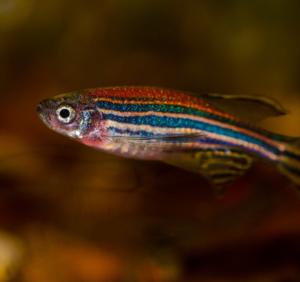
(72, 114)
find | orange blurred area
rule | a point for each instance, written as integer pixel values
(71, 213)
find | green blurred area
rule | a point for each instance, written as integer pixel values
(83, 215)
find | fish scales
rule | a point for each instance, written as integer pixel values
(156, 108)
(188, 131)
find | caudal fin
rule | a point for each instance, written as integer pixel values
(289, 162)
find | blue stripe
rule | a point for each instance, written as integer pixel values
(141, 133)
(174, 109)
(162, 108)
(171, 122)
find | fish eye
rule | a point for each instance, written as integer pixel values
(65, 113)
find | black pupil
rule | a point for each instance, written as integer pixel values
(64, 113)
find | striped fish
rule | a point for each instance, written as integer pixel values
(211, 134)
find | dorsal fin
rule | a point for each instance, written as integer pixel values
(220, 166)
(253, 108)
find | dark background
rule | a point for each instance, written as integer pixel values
(70, 213)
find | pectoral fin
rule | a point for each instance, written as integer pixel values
(219, 166)
(175, 142)
(250, 107)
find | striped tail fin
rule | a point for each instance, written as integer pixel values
(289, 162)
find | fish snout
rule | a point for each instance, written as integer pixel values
(39, 108)
(42, 111)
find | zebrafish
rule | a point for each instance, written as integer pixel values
(211, 134)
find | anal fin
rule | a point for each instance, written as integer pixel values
(220, 166)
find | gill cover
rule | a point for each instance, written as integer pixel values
(89, 121)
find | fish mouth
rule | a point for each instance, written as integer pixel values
(39, 108)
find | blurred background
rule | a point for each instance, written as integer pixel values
(70, 213)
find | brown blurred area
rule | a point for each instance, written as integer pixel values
(70, 213)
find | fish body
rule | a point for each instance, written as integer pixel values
(211, 134)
